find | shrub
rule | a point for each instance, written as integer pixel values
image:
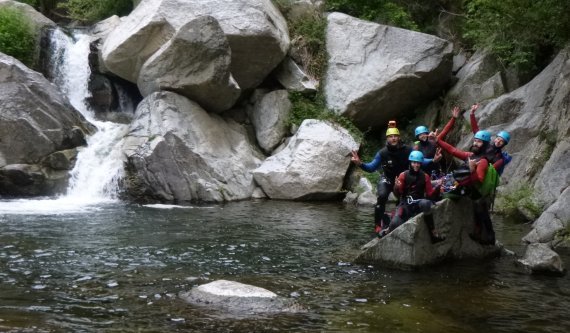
(380, 11)
(17, 36)
(89, 11)
(524, 198)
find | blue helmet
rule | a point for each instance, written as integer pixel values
(416, 156)
(483, 136)
(421, 129)
(505, 136)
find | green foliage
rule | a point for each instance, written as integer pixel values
(308, 35)
(89, 11)
(381, 11)
(524, 198)
(17, 36)
(313, 107)
(518, 32)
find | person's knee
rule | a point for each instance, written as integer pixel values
(425, 205)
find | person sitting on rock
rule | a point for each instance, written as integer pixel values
(497, 156)
(412, 187)
(477, 160)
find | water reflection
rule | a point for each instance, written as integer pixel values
(119, 267)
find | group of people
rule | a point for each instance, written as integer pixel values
(414, 174)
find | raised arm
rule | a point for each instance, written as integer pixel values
(474, 125)
(454, 114)
(453, 151)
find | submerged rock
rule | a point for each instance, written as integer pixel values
(409, 246)
(238, 297)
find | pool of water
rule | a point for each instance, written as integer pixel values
(114, 267)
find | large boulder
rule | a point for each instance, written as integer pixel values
(36, 121)
(311, 166)
(409, 245)
(238, 298)
(256, 31)
(177, 152)
(195, 63)
(376, 73)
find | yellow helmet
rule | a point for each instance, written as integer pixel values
(392, 131)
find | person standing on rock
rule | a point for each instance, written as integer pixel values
(393, 159)
(413, 186)
(477, 161)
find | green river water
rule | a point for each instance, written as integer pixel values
(119, 268)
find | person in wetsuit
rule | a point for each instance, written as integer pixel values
(413, 186)
(393, 160)
(477, 160)
(495, 151)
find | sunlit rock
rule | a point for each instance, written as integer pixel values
(256, 31)
(238, 298)
(311, 166)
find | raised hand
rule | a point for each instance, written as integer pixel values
(455, 112)
(355, 158)
(433, 135)
(437, 157)
(474, 107)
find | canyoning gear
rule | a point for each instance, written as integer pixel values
(483, 136)
(421, 129)
(490, 183)
(392, 131)
(416, 156)
(394, 160)
(505, 136)
(506, 160)
(414, 186)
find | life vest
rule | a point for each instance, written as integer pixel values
(394, 161)
(427, 148)
(415, 185)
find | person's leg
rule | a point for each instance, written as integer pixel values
(383, 190)
(425, 207)
(483, 232)
(401, 215)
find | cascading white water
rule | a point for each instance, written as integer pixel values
(99, 166)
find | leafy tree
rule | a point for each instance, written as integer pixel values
(17, 37)
(518, 32)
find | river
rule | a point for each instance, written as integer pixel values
(115, 267)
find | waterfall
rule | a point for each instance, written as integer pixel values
(99, 166)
